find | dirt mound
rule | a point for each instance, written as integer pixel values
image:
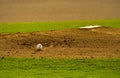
(71, 43)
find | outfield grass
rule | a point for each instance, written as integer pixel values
(43, 26)
(59, 68)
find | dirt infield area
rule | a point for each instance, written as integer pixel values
(100, 42)
(58, 10)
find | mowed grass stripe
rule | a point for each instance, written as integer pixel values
(44, 26)
(59, 68)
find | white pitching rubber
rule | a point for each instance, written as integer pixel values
(91, 26)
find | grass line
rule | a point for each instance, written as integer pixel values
(44, 26)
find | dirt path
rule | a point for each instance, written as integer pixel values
(57, 10)
(71, 43)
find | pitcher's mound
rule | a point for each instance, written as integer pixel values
(100, 42)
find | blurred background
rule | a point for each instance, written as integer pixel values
(58, 10)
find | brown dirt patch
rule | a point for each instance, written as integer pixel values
(57, 10)
(71, 43)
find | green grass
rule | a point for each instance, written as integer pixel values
(43, 26)
(59, 68)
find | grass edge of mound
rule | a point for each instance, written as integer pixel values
(44, 26)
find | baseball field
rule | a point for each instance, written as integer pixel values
(69, 51)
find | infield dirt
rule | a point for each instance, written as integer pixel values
(100, 42)
(57, 10)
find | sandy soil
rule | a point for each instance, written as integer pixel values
(71, 43)
(57, 10)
